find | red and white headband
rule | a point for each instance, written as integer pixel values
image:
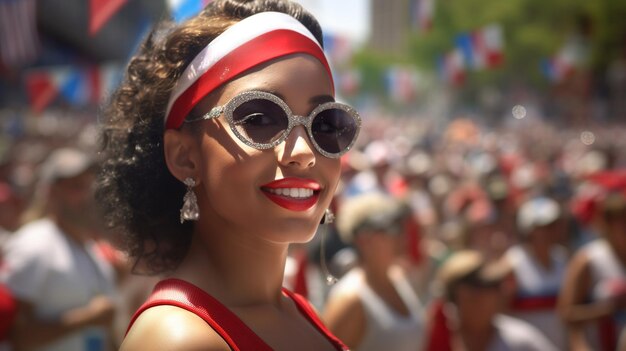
(246, 44)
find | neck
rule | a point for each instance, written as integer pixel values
(238, 269)
(475, 339)
(377, 275)
(72, 231)
(541, 252)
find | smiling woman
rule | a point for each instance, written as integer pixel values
(221, 148)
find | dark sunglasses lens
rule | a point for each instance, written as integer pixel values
(260, 121)
(334, 130)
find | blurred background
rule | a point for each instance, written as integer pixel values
(492, 63)
(470, 109)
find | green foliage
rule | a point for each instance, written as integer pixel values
(372, 66)
(532, 29)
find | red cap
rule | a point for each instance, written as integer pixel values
(599, 185)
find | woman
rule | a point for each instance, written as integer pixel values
(374, 307)
(592, 301)
(538, 264)
(467, 316)
(221, 148)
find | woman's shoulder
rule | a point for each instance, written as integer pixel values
(172, 328)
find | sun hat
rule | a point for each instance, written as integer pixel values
(537, 212)
(65, 163)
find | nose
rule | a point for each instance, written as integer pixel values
(297, 150)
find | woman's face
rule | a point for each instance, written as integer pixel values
(478, 305)
(233, 192)
(383, 248)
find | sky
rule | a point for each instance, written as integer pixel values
(347, 17)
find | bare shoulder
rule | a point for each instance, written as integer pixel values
(578, 265)
(172, 328)
(344, 315)
(580, 258)
(344, 302)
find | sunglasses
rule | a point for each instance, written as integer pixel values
(262, 120)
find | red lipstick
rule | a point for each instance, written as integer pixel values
(294, 194)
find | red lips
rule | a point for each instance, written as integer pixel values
(306, 197)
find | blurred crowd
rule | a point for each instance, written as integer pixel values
(448, 236)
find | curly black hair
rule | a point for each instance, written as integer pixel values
(139, 197)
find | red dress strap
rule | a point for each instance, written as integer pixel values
(234, 331)
(179, 293)
(308, 312)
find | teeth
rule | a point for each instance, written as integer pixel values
(292, 192)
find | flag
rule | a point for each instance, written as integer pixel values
(349, 82)
(452, 68)
(41, 89)
(558, 68)
(100, 11)
(422, 14)
(482, 48)
(465, 44)
(79, 86)
(401, 83)
(492, 45)
(184, 9)
(572, 55)
(74, 87)
(19, 40)
(109, 77)
(338, 48)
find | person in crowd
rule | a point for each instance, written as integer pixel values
(374, 307)
(538, 263)
(593, 296)
(9, 222)
(64, 290)
(470, 203)
(10, 209)
(221, 147)
(468, 317)
(8, 312)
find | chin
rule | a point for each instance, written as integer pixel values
(294, 231)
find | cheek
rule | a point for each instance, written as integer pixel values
(331, 168)
(225, 167)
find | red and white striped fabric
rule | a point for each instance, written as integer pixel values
(489, 46)
(248, 43)
(19, 41)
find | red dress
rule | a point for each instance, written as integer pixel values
(237, 335)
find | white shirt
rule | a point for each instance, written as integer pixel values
(535, 281)
(608, 277)
(55, 274)
(516, 335)
(385, 328)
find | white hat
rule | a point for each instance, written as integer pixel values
(65, 163)
(537, 212)
(469, 267)
(371, 210)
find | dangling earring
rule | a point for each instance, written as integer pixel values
(328, 218)
(189, 211)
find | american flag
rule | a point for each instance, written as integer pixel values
(19, 41)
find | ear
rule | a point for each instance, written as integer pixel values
(182, 154)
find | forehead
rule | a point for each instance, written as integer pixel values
(298, 73)
(293, 77)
